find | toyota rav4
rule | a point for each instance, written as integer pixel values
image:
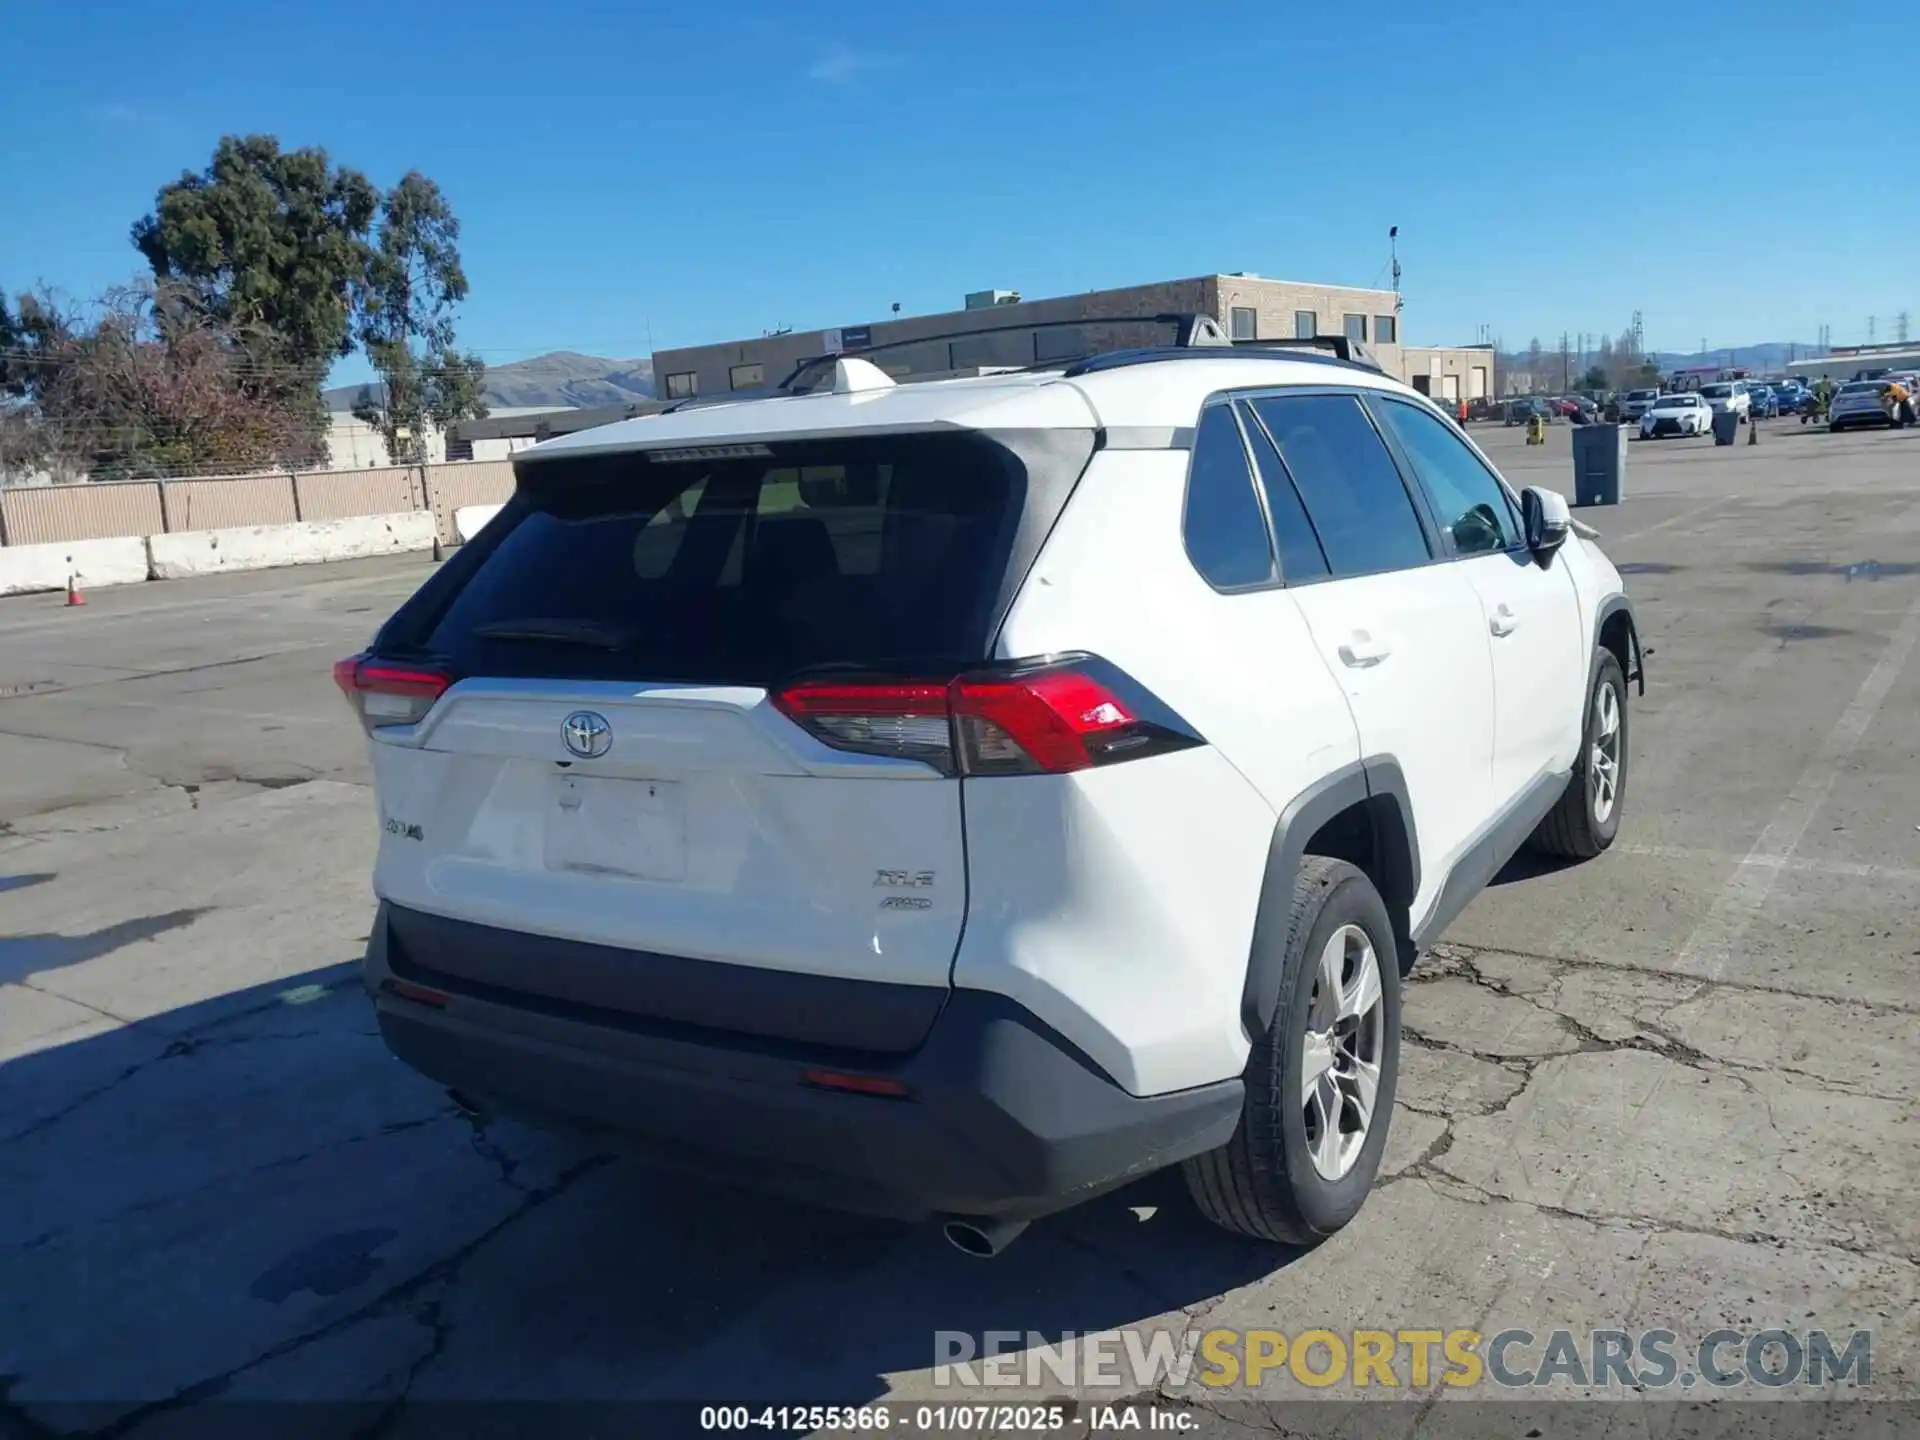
(951, 800)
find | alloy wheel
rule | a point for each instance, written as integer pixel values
(1340, 1062)
(1603, 761)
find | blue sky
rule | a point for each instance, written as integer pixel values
(633, 175)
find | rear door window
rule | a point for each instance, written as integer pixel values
(862, 551)
(1360, 510)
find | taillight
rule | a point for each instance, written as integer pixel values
(388, 694)
(1022, 719)
(906, 719)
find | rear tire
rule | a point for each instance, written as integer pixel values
(1295, 1170)
(1586, 818)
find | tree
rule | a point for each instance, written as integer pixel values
(270, 245)
(26, 332)
(1594, 379)
(1533, 363)
(405, 323)
(146, 386)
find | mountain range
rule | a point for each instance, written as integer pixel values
(564, 379)
(1766, 358)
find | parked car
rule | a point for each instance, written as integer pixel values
(1523, 408)
(1683, 414)
(1734, 395)
(1636, 403)
(1791, 398)
(1762, 403)
(829, 834)
(1857, 403)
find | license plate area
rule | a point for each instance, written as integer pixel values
(631, 828)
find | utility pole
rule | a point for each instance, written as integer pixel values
(1873, 322)
(1639, 335)
(1900, 327)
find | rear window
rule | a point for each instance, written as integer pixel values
(1716, 392)
(864, 551)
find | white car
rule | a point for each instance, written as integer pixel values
(1684, 413)
(950, 800)
(1731, 395)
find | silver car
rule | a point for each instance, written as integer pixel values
(1857, 403)
(1636, 403)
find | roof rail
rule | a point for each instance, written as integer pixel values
(1189, 330)
(1194, 334)
(1341, 347)
(1298, 351)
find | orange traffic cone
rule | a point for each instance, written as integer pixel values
(74, 597)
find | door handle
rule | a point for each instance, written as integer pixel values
(1503, 621)
(1362, 650)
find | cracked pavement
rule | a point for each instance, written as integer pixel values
(1673, 1087)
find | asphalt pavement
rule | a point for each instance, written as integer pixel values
(1674, 1087)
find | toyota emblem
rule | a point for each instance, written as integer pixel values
(587, 734)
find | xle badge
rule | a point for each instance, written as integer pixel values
(903, 879)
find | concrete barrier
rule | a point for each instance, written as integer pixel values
(25, 569)
(262, 547)
(469, 520)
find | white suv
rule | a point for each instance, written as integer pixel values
(1729, 395)
(954, 799)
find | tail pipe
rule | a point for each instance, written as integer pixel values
(981, 1237)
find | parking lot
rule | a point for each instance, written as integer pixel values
(1674, 1087)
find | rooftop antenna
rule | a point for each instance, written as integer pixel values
(1393, 249)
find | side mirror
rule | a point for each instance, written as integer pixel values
(1546, 518)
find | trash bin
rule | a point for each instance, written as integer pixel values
(1599, 464)
(1726, 426)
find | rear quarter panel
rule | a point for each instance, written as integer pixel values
(1118, 903)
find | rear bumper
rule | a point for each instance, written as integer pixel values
(1003, 1116)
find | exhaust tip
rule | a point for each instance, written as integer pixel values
(982, 1239)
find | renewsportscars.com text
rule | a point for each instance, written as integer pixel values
(1513, 1358)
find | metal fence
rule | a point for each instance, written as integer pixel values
(101, 510)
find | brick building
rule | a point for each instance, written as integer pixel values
(999, 328)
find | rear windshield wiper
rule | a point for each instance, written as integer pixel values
(595, 634)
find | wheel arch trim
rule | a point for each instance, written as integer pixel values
(1635, 669)
(1375, 782)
